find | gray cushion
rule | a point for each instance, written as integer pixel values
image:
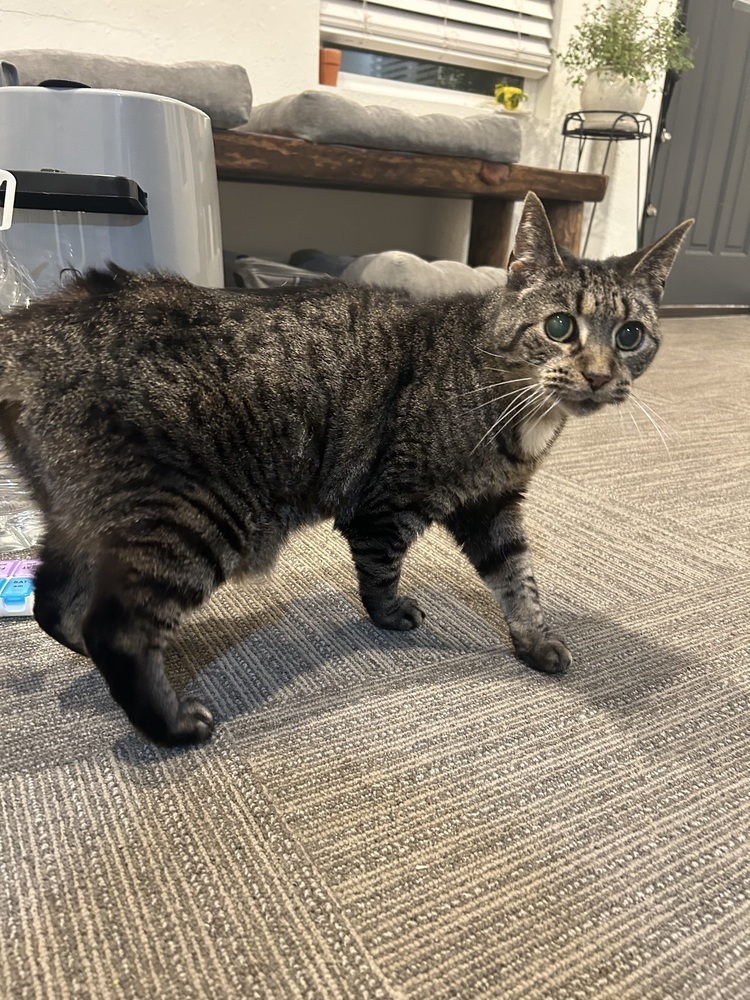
(221, 90)
(422, 280)
(393, 269)
(319, 116)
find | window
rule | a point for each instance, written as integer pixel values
(425, 73)
(460, 44)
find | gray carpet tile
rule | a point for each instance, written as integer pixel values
(418, 816)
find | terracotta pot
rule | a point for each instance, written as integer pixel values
(610, 92)
(330, 61)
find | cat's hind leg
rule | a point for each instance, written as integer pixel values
(143, 587)
(62, 591)
(62, 582)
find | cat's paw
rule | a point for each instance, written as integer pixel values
(402, 614)
(549, 654)
(194, 724)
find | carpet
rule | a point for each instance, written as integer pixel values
(418, 816)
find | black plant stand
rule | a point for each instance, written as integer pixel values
(626, 126)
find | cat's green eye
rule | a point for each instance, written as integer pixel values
(629, 336)
(560, 327)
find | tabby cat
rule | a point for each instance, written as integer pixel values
(174, 436)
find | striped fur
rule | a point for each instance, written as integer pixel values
(174, 436)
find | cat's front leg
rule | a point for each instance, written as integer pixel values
(491, 533)
(378, 543)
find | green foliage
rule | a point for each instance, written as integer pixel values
(624, 40)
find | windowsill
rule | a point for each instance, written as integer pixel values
(416, 98)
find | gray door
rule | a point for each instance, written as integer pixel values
(704, 171)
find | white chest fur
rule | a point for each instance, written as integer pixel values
(537, 435)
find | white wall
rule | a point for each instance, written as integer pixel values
(277, 42)
(616, 220)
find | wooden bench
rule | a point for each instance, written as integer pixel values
(492, 187)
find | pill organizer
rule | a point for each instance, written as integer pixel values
(17, 587)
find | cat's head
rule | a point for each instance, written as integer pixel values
(583, 329)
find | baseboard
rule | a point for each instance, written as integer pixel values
(675, 311)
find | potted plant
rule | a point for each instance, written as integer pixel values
(616, 52)
(509, 97)
(330, 63)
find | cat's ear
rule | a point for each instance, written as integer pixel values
(655, 262)
(535, 252)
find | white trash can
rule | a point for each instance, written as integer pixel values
(109, 175)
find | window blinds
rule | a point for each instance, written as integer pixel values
(509, 35)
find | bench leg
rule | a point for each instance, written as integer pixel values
(491, 221)
(566, 219)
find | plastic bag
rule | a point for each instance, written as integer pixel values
(21, 523)
(16, 286)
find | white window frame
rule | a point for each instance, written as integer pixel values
(504, 36)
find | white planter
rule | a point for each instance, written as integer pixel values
(608, 92)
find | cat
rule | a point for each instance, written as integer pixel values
(175, 435)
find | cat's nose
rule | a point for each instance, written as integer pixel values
(596, 379)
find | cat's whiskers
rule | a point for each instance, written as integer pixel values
(493, 385)
(541, 418)
(496, 399)
(532, 407)
(637, 426)
(538, 404)
(491, 353)
(658, 396)
(514, 410)
(648, 415)
(508, 412)
(657, 416)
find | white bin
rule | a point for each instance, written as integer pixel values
(110, 175)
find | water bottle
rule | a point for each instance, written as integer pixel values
(21, 523)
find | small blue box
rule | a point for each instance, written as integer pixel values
(17, 588)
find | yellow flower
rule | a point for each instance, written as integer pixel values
(509, 97)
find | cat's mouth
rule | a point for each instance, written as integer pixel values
(579, 400)
(578, 406)
(582, 407)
